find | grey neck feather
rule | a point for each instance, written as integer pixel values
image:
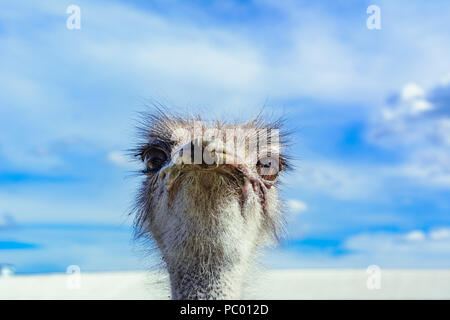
(194, 284)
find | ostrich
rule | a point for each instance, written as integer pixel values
(209, 198)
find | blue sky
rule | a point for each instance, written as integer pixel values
(371, 109)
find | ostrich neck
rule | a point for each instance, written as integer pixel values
(213, 243)
(209, 263)
(193, 284)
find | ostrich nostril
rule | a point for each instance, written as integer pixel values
(202, 150)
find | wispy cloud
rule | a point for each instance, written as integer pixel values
(390, 249)
(418, 123)
(337, 181)
(296, 206)
(409, 250)
(120, 159)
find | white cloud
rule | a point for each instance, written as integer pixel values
(418, 125)
(427, 167)
(412, 91)
(440, 234)
(411, 249)
(340, 182)
(412, 103)
(111, 204)
(414, 249)
(416, 235)
(296, 206)
(413, 242)
(120, 159)
(419, 106)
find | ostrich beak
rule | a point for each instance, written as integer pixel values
(203, 153)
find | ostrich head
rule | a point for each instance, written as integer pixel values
(209, 198)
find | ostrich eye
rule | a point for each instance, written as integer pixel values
(154, 159)
(268, 168)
